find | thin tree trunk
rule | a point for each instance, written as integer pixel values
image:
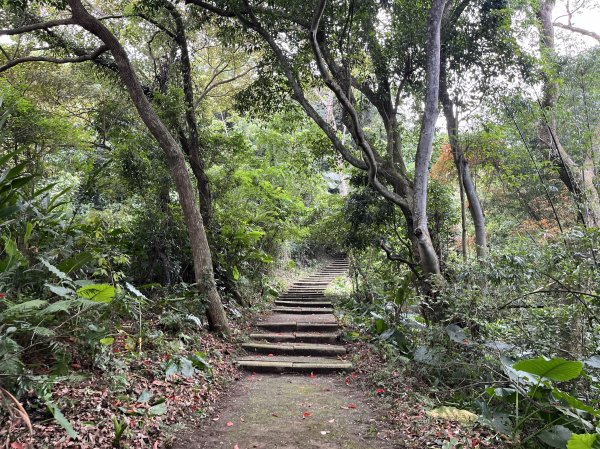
(199, 244)
(462, 166)
(428, 258)
(463, 214)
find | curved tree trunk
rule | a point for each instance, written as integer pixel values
(199, 244)
(462, 166)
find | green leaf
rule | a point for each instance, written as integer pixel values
(60, 419)
(573, 402)
(54, 270)
(28, 231)
(144, 396)
(556, 437)
(61, 291)
(236, 274)
(199, 361)
(158, 409)
(24, 307)
(554, 369)
(104, 293)
(107, 341)
(75, 262)
(583, 441)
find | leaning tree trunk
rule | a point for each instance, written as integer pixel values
(462, 166)
(199, 244)
(580, 181)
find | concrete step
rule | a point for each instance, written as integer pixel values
(307, 349)
(299, 293)
(302, 310)
(303, 303)
(303, 365)
(304, 291)
(292, 326)
(298, 337)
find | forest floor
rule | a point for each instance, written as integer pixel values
(272, 411)
(381, 404)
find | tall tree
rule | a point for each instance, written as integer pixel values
(81, 17)
(579, 178)
(339, 38)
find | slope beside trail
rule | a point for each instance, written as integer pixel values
(295, 393)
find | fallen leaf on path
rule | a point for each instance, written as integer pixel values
(324, 432)
(331, 421)
(380, 391)
(275, 415)
(305, 414)
(347, 381)
(229, 424)
(236, 447)
(453, 414)
(312, 375)
(270, 355)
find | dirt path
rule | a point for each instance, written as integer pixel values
(271, 411)
(313, 408)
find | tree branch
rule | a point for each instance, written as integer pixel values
(575, 29)
(82, 58)
(37, 26)
(397, 258)
(361, 139)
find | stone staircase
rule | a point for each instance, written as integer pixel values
(302, 334)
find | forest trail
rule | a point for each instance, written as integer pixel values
(294, 396)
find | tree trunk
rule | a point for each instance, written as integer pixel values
(462, 166)
(580, 181)
(175, 158)
(463, 214)
(428, 258)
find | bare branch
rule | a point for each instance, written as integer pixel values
(82, 58)
(210, 87)
(37, 26)
(575, 29)
(397, 258)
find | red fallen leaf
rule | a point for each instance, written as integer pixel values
(2, 296)
(236, 447)
(15, 445)
(347, 381)
(351, 405)
(306, 414)
(229, 424)
(354, 376)
(312, 375)
(380, 391)
(270, 355)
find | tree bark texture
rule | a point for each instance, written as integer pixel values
(175, 158)
(429, 259)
